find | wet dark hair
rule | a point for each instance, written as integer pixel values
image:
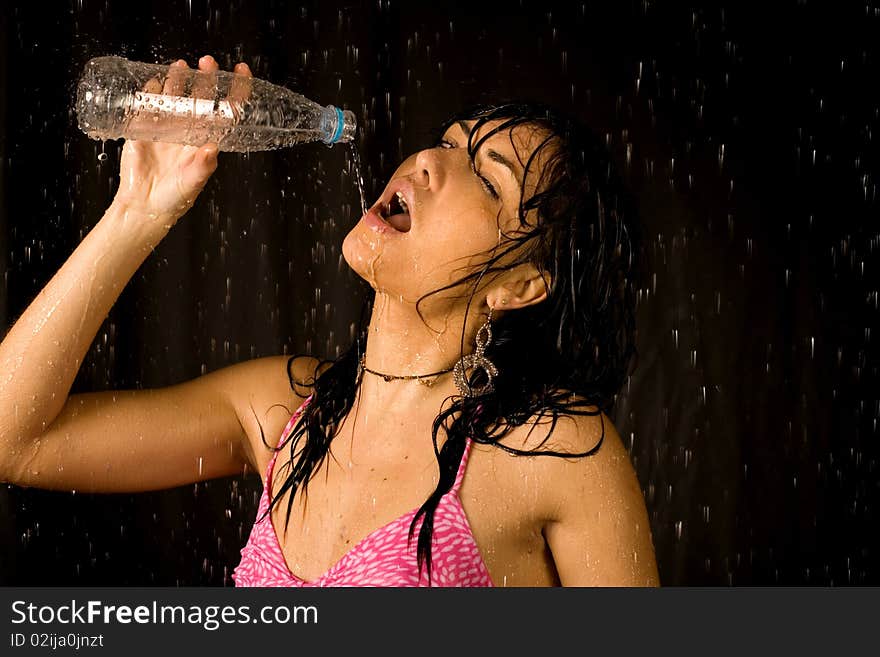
(567, 355)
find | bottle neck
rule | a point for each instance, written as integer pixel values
(334, 122)
(338, 125)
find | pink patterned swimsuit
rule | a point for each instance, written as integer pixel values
(382, 558)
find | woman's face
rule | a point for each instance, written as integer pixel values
(451, 213)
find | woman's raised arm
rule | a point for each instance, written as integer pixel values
(125, 440)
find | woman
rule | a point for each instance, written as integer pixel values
(500, 328)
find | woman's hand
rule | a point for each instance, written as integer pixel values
(161, 181)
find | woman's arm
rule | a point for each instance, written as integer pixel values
(138, 440)
(600, 535)
(131, 440)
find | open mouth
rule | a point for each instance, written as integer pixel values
(396, 213)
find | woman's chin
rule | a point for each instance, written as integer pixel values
(363, 259)
(388, 272)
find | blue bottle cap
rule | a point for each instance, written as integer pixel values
(340, 123)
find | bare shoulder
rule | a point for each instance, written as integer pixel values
(574, 451)
(266, 392)
(585, 430)
(604, 475)
(595, 519)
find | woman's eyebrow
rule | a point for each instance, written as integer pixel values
(494, 155)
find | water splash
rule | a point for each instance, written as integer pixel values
(357, 172)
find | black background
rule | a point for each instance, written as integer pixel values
(745, 133)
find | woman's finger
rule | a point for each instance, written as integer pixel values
(153, 86)
(205, 83)
(175, 82)
(195, 172)
(242, 83)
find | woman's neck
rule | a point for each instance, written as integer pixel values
(402, 343)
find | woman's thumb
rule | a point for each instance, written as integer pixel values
(200, 168)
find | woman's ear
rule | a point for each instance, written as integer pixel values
(522, 286)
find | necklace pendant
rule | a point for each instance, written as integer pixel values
(388, 377)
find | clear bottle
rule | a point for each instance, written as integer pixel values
(118, 98)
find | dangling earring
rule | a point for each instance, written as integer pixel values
(476, 361)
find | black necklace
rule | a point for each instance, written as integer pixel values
(421, 378)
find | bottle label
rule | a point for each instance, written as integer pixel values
(147, 103)
(162, 117)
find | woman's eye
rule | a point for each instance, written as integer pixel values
(487, 185)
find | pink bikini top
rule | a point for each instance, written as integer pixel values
(382, 558)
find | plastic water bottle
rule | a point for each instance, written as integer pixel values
(118, 98)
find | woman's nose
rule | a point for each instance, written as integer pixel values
(429, 169)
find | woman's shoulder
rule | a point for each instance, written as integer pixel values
(578, 428)
(593, 504)
(582, 457)
(579, 466)
(268, 391)
(273, 379)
